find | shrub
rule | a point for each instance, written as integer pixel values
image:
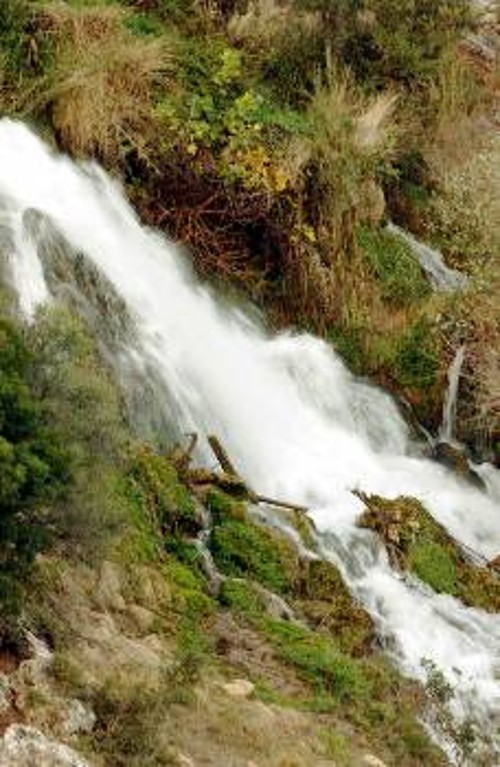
(34, 469)
(83, 404)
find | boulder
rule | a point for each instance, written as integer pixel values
(239, 688)
(23, 746)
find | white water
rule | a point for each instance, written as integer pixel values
(442, 278)
(296, 422)
(450, 401)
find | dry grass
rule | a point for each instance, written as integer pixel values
(102, 81)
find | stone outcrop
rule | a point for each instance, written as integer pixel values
(23, 746)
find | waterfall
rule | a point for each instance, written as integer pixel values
(298, 424)
(442, 278)
(450, 401)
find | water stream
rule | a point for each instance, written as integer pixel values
(296, 422)
(446, 432)
(442, 278)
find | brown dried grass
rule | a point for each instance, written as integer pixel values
(102, 82)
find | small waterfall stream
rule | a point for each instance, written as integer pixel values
(297, 423)
(447, 429)
(442, 278)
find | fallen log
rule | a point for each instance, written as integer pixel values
(222, 456)
(281, 504)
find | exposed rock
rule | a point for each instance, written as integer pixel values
(372, 761)
(182, 760)
(79, 718)
(5, 693)
(24, 746)
(239, 688)
(275, 605)
(108, 592)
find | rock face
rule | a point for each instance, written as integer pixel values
(23, 746)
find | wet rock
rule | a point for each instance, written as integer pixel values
(23, 746)
(239, 688)
(454, 457)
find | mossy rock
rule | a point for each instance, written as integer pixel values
(418, 544)
(326, 602)
(243, 548)
(163, 498)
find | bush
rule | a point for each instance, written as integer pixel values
(34, 469)
(83, 404)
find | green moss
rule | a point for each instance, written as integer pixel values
(164, 499)
(419, 544)
(394, 266)
(327, 603)
(434, 565)
(224, 506)
(243, 549)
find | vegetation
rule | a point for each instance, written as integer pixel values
(417, 543)
(34, 468)
(275, 140)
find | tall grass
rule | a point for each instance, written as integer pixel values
(102, 80)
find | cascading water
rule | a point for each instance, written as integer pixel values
(296, 422)
(442, 278)
(450, 402)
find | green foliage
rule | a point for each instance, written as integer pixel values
(34, 468)
(83, 404)
(144, 25)
(218, 108)
(14, 15)
(416, 362)
(241, 597)
(394, 265)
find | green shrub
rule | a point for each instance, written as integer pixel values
(320, 662)
(81, 400)
(34, 468)
(14, 15)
